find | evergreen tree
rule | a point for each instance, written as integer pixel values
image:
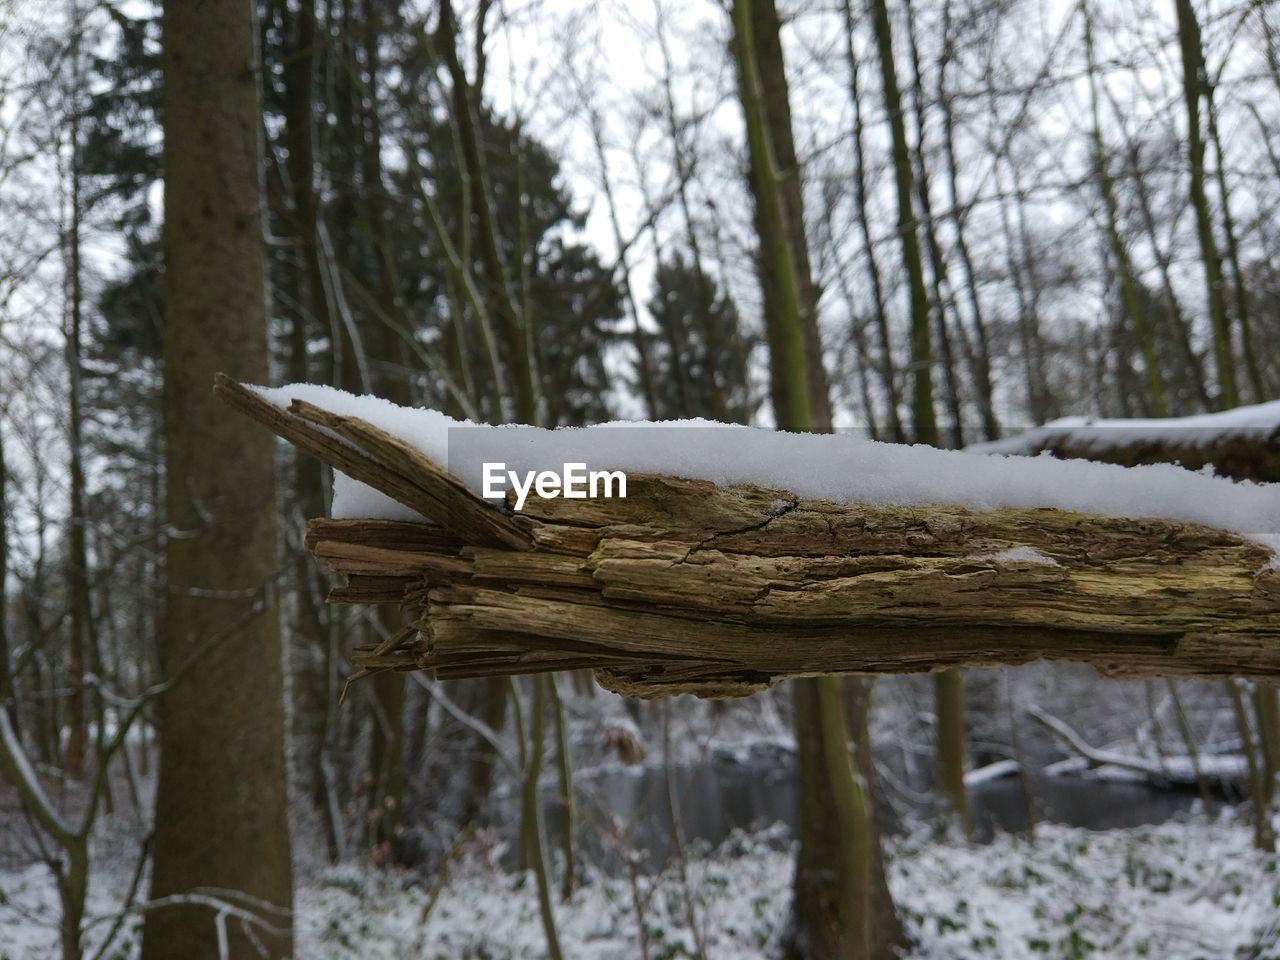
(573, 300)
(679, 348)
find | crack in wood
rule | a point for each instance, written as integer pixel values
(684, 587)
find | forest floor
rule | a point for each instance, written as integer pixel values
(1187, 889)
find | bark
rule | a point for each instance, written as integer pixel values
(313, 310)
(1263, 834)
(837, 863)
(73, 888)
(1248, 453)
(1189, 742)
(1238, 282)
(1267, 711)
(980, 362)
(1020, 758)
(385, 344)
(491, 694)
(831, 918)
(949, 690)
(221, 816)
(924, 424)
(1028, 288)
(78, 615)
(386, 761)
(888, 376)
(939, 282)
(564, 773)
(1164, 260)
(786, 278)
(683, 586)
(1133, 309)
(6, 679)
(948, 695)
(513, 321)
(1194, 84)
(336, 232)
(534, 846)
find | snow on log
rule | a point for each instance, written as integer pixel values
(722, 589)
(1242, 443)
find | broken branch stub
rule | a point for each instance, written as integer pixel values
(684, 587)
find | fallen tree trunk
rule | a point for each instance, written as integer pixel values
(1182, 770)
(1241, 452)
(684, 587)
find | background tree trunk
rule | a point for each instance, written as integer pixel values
(1194, 92)
(6, 678)
(948, 687)
(1134, 311)
(221, 817)
(838, 882)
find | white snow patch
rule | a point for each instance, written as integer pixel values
(838, 468)
(1189, 890)
(1174, 769)
(1271, 540)
(1258, 420)
(992, 771)
(1018, 555)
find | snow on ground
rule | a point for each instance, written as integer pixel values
(840, 468)
(1259, 420)
(1188, 890)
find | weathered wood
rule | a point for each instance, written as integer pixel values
(1241, 453)
(384, 462)
(686, 587)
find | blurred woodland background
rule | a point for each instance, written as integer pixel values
(930, 221)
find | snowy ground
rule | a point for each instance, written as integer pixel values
(1179, 891)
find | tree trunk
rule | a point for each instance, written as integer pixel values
(1266, 700)
(924, 424)
(885, 366)
(491, 692)
(939, 283)
(389, 368)
(781, 283)
(533, 845)
(1039, 401)
(1193, 84)
(980, 362)
(838, 862)
(949, 697)
(386, 758)
(1263, 834)
(7, 700)
(78, 616)
(1238, 282)
(1119, 251)
(221, 816)
(312, 311)
(949, 746)
(73, 890)
(513, 321)
(1163, 259)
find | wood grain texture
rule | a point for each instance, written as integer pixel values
(684, 587)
